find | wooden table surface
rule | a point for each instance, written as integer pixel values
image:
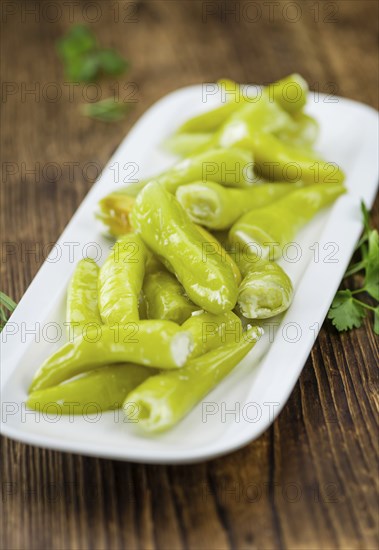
(310, 481)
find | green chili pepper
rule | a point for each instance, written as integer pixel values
(120, 280)
(211, 245)
(187, 144)
(161, 344)
(290, 93)
(265, 291)
(212, 331)
(82, 302)
(278, 161)
(260, 115)
(267, 230)
(166, 229)
(153, 264)
(303, 135)
(218, 207)
(165, 298)
(231, 167)
(115, 211)
(100, 390)
(162, 401)
(210, 121)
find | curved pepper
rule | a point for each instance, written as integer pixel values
(278, 161)
(211, 245)
(261, 115)
(167, 230)
(265, 291)
(218, 207)
(290, 93)
(165, 298)
(162, 401)
(120, 280)
(160, 344)
(82, 302)
(267, 230)
(211, 120)
(231, 167)
(212, 331)
(100, 390)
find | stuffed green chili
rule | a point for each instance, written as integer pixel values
(162, 401)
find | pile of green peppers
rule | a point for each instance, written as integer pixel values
(168, 315)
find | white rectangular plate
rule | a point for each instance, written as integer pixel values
(257, 389)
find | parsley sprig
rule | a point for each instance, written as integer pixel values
(85, 60)
(347, 311)
(7, 306)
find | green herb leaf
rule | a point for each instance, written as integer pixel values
(111, 63)
(376, 320)
(78, 41)
(6, 305)
(83, 58)
(366, 217)
(372, 265)
(83, 69)
(345, 311)
(106, 110)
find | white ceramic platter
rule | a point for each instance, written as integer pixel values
(258, 388)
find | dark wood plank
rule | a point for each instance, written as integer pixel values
(311, 480)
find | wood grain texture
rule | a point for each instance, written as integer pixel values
(310, 481)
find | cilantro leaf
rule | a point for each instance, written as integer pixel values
(345, 312)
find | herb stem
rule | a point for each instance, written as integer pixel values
(363, 304)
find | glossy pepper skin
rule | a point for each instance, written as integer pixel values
(211, 245)
(82, 297)
(258, 116)
(210, 331)
(165, 399)
(267, 230)
(265, 291)
(165, 298)
(236, 119)
(278, 161)
(208, 281)
(218, 207)
(231, 167)
(290, 93)
(161, 344)
(103, 389)
(120, 280)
